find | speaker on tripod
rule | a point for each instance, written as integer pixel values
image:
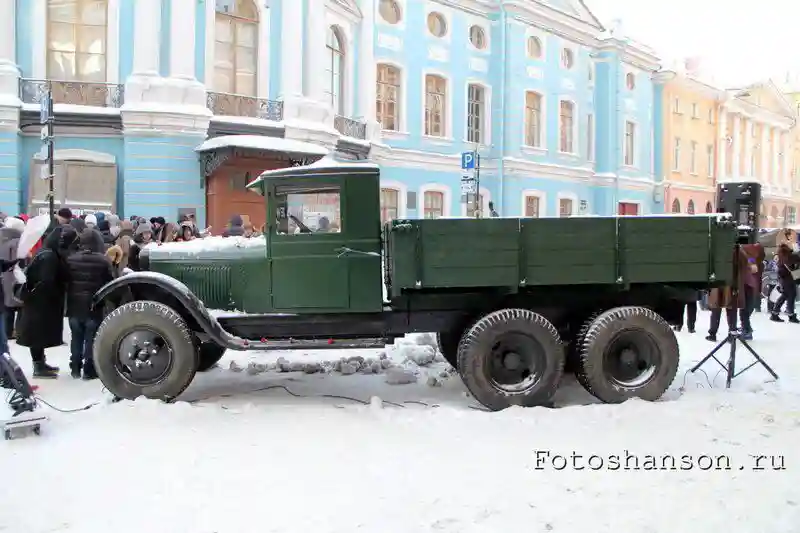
(743, 201)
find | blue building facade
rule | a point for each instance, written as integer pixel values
(559, 109)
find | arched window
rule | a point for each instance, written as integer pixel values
(676, 206)
(336, 70)
(236, 47)
(709, 207)
(690, 207)
(76, 40)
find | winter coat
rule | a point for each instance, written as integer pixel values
(9, 240)
(787, 260)
(124, 241)
(88, 270)
(41, 319)
(105, 232)
(137, 245)
(723, 297)
(236, 228)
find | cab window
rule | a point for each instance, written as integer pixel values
(308, 209)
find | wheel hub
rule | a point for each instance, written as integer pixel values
(517, 362)
(143, 357)
(512, 361)
(631, 359)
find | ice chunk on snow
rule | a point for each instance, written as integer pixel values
(398, 376)
(416, 348)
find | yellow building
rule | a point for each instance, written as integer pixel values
(757, 125)
(690, 142)
(793, 96)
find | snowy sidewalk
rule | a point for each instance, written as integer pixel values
(267, 461)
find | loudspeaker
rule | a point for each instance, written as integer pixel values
(743, 201)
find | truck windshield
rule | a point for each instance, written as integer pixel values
(308, 209)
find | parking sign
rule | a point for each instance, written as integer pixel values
(467, 160)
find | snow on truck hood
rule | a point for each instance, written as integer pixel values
(209, 245)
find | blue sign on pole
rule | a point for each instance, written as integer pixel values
(467, 160)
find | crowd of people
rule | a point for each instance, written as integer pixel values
(774, 280)
(74, 258)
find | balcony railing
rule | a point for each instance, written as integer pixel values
(236, 105)
(73, 92)
(349, 127)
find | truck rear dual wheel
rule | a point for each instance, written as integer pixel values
(208, 353)
(145, 348)
(447, 342)
(511, 357)
(627, 352)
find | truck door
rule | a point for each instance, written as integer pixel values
(306, 238)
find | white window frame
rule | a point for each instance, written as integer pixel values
(39, 23)
(487, 36)
(401, 24)
(542, 41)
(591, 128)
(676, 106)
(567, 196)
(542, 120)
(634, 159)
(676, 154)
(446, 14)
(402, 195)
(693, 158)
(263, 63)
(573, 53)
(541, 195)
(448, 119)
(576, 148)
(402, 119)
(486, 127)
(447, 198)
(695, 111)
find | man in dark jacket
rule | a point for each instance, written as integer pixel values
(236, 227)
(88, 270)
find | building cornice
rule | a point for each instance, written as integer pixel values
(692, 84)
(553, 21)
(513, 167)
(475, 7)
(758, 113)
(630, 52)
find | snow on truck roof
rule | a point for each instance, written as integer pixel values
(326, 165)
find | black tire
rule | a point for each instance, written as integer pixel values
(502, 334)
(208, 354)
(153, 317)
(575, 348)
(447, 342)
(645, 339)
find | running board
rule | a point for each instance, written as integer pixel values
(310, 344)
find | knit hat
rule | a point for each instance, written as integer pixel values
(15, 223)
(113, 220)
(91, 219)
(65, 212)
(143, 227)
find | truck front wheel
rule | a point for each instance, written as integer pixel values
(511, 357)
(628, 352)
(145, 348)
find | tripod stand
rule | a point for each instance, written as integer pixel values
(732, 338)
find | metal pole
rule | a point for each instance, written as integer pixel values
(477, 197)
(51, 170)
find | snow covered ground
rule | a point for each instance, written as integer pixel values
(243, 457)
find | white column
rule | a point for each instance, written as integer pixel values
(292, 49)
(9, 73)
(316, 76)
(722, 144)
(764, 154)
(147, 31)
(786, 178)
(776, 143)
(368, 74)
(181, 53)
(748, 147)
(737, 147)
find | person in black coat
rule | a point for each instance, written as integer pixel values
(88, 270)
(41, 320)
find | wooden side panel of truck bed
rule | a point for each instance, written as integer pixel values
(506, 252)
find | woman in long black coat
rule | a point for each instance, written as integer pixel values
(41, 320)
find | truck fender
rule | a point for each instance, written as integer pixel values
(191, 308)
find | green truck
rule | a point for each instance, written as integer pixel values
(514, 301)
